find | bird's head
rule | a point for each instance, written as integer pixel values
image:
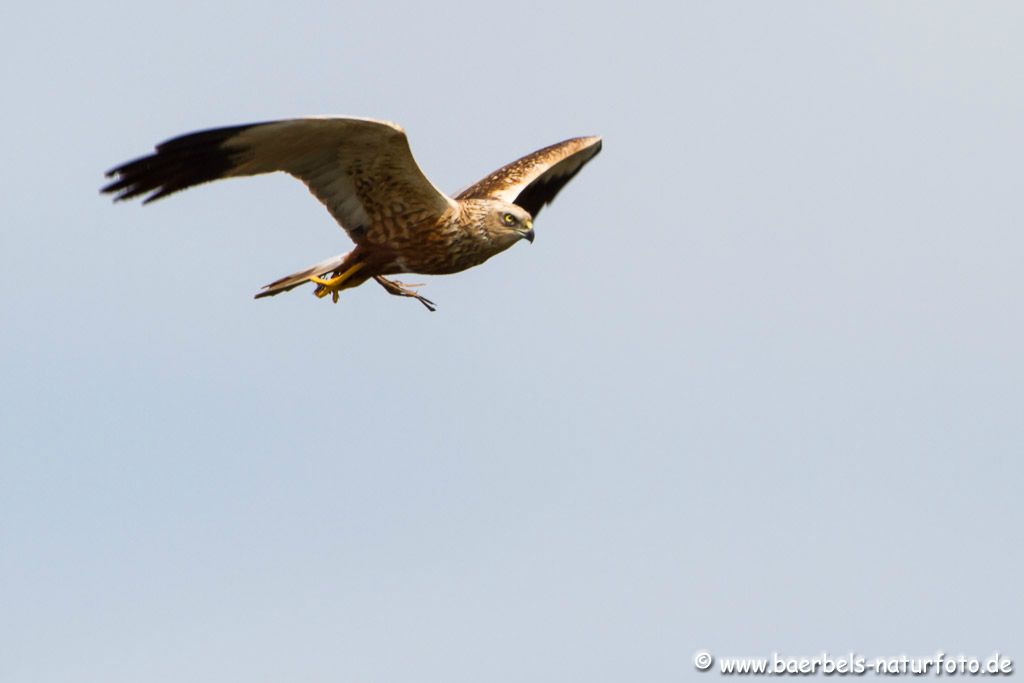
(508, 223)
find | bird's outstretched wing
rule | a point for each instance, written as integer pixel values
(534, 180)
(362, 170)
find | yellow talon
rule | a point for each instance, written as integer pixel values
(334, 284)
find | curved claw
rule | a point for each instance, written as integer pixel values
(426, 302)
(333, 285)
(401, 289)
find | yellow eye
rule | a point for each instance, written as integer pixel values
(508, 219)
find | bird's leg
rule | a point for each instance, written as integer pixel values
(333, 285)
(400, 289)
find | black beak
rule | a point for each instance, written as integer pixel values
(528, 233)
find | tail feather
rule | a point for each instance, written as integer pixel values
(296, 279)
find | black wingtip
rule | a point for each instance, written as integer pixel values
(177, 164)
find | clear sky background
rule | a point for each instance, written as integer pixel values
(757, 386)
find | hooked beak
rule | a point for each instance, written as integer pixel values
(528, 233)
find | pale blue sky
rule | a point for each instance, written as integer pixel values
(757, 385)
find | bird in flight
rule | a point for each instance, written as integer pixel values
(363, 171)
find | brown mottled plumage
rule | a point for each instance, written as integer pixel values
(364, 173)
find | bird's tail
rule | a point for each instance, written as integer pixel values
(296, 279)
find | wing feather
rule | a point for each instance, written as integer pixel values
(534, 180)
(360, 169)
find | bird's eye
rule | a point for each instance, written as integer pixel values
(508, 219)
